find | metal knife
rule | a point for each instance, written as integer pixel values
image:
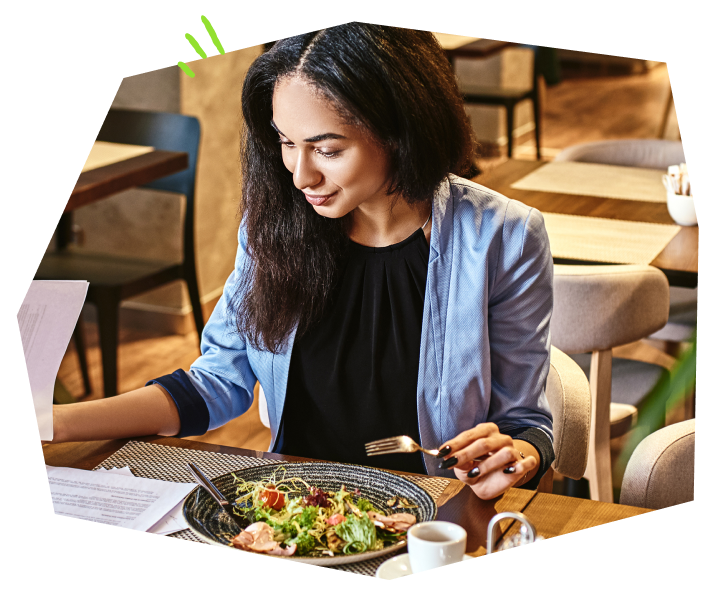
(203, 481)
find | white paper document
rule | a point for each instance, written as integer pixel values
(114, 498)
(47, 319)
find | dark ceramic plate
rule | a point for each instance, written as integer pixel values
(205, 518)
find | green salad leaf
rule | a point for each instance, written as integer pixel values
(305, 543)
(355, 529)
(365, 505)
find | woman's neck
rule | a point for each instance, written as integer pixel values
(383, 225)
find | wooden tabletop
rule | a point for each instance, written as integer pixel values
(469, 47)
(678, 260)
(552, 515)
(110, 179)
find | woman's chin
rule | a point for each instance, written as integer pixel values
(333, 212)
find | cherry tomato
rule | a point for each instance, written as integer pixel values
(272, 498)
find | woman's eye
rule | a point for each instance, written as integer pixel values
(287, 143)
(327, 154)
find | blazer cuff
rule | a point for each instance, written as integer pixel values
(194, 415)
(539, 439)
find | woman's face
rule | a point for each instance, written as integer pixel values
(336, 164)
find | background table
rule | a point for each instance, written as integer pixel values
(551, 514)
(469, 47)
(110, 179)
(678, 260)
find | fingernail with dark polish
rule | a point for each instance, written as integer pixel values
(509, 469)
(447, 463)
(444, 451)
(474, 472)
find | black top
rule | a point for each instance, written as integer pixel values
(353, 376)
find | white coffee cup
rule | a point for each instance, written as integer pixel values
(433, 544)
(681, 209)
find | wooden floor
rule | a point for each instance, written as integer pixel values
(575, 111)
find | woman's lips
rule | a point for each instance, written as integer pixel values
(317, 200)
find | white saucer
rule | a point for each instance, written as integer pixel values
(399, 566)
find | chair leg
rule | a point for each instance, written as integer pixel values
(194, 293)
(510, 121)
(108, 307)
(536, 115)
(599, 466)
(79, 339)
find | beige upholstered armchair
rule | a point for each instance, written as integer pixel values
(597, 308)
(568, 394)
(661, 470)
(639, 152)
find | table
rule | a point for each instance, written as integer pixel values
(101, 182)
(469, 47)
(678, 260)
(552, 515)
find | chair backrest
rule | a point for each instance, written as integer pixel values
(646, 153)
(600, 307)
(568, 393)
(661, 470)
(164, 132)
(263, 407)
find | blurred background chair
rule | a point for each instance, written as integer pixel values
(509, 97)
(630, 152)
(661, 470)
(113, 278)
(595, 309)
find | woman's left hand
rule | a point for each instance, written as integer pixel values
(496, 451)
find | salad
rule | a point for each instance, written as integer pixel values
(279, 519)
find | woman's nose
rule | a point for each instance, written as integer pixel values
(305, 174)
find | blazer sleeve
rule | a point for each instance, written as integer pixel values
(219, 385)
(519, 310)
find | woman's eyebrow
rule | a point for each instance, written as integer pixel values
(318, 138)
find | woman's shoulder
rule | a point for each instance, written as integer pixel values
(467, 202)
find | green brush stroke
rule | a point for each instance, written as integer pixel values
(186, 69)
(213, 35)
(196, 46)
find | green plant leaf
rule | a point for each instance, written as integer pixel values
(668, 392)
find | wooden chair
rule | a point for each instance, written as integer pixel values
(112, 278)
(595, 309)
(509, 98)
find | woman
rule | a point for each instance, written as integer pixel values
(374, 293)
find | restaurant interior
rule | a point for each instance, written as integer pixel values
(616, 257)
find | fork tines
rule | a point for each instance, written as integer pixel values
(386, 446)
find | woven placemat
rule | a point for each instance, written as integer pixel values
(596, 180)
(167, 463)
(606, 241)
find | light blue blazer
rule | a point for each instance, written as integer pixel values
(485, 346)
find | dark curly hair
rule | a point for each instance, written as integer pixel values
(396, 84)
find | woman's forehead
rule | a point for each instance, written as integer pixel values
(300, 111)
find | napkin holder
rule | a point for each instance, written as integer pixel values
(528, 533)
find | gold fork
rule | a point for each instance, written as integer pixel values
(403, 444)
